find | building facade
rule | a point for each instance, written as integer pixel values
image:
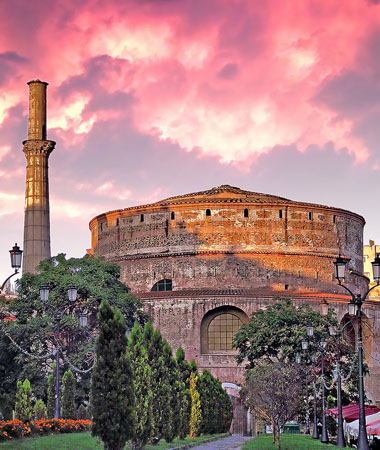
(369, 253)
(203, 262)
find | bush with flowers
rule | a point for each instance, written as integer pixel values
(12, 429)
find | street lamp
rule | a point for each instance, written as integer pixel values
(322, 346)
(355, 309)
(58, 314)
(16, 257)
(307, 429)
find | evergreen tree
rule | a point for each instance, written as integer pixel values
(209, 403)
(39, 410)
(161, 389)
(51, 393)
(143, 390)
(177, 394)
(112, 391)
(23, 407)
(68, 396)
(196, 413)
(185, 371)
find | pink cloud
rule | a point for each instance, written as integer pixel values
(233, 79)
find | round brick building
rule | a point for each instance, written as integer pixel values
(203, 262)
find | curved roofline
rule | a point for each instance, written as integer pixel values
(208, 197)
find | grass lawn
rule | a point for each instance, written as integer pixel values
(288, 442)
(81, 441)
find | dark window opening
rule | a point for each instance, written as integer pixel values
(246, 212)
(117, 222)
(208, 212)
(310, 216)
(280, 214)
(334, 218)
(142, 218)
(163, 285)
(286, 287)
(172, 215)
(222, 330)
(101, 227)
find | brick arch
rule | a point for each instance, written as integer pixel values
(213, 314)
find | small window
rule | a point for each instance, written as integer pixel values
(172, 215)
(101, 227)
(208, 212)
(142, 218)
(163, 285)
(117, 222)
(280, 213)
(310, 216)
(317, 276)
(286, 287)
(246, 212)
(334, 218)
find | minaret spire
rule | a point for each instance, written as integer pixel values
(37, 150)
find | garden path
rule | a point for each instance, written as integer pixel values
(229, 443)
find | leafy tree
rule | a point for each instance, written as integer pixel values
(23, 407)
(39, 410)
(112, 390)
(277, 332)
(273, 391)
(161, 389)
(68, 396)
(143, 389)
(185, 371)
(51, 392)
(34, 326)
(196, 412)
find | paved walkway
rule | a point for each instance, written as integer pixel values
(229, 443)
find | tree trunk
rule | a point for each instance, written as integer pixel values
(274, 432)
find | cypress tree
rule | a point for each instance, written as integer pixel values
(196, 413)
(112, 391)
(185, 371)
(68, 396)
(143, 389)
(39, 410)
(161, 389)
(51, 393)
(177, 394)
(23, 407)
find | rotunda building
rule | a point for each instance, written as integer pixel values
(203, 262)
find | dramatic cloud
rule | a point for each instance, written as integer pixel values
(149, 99)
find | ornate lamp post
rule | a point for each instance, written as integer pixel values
(307, 430)
(58, 315)
(16, 257)
(355, 309)
(321, 345)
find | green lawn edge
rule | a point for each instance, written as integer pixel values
(84, 441)
(288, 442)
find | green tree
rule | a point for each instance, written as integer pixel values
(23, 407)
(185, 371)
(273, 391)
(277, 331)
(68, 396)
(39, 410)
(51, 392)
(95, 280)
(143, 389)
(161, 389)
(216, 405)
(196, 411)
(112, 390)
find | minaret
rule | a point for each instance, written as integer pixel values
(37, 150)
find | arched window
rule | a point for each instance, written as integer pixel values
(208, 212)
(246, 212)
(221, 331)
(163, 285)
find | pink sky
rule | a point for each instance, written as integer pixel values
(150, 98)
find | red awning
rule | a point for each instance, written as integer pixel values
(351, 411)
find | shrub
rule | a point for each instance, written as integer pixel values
(68, 395)
(196, 414)
(39, 410)
(23, 407)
